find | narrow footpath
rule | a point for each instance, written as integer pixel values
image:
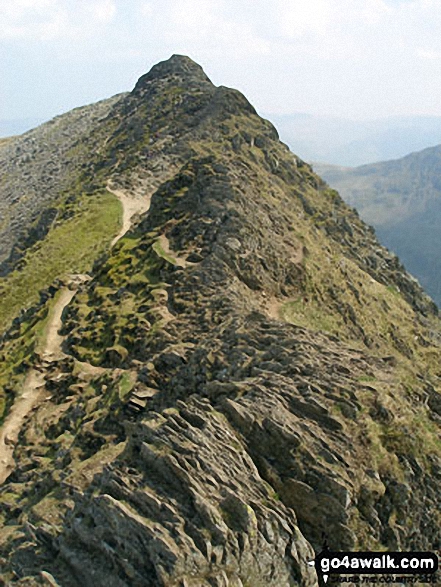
(132, 206)
(33, 387)
(50, 348)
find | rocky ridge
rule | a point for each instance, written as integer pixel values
(249, 372)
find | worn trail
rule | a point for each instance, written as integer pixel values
(33, 386)
(132, 206)
(50, 348)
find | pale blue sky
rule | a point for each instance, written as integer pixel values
(350, 58)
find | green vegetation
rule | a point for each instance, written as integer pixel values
(125, 385)
(123, 310)
(17, 353)
(70, 246)
(309, 314)
(413, 434)
(161, 253)
(82, 234)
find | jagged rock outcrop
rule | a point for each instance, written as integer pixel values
(249, 372)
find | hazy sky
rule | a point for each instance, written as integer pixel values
(350, 58)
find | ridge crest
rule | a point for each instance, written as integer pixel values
(177, 66)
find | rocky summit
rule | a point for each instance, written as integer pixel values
(234, 375)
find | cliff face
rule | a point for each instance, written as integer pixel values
(246, 374)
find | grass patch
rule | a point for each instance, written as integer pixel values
(16, 352)
(122, 308)
(125, 385)
(310, 315)
(161, 253)
(69, 247)
(413, 435)
(367, 379)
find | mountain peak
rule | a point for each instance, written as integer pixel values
(176, 67)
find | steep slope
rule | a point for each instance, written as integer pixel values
(36, 170)
(51, 224)
(247, 372)
(401, 199)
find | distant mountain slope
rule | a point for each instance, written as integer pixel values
(244, 374)
(351, 142)
(37, 170)
(402, 200)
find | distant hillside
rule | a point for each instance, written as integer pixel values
(348, 142)
(36, 169)
(402, 200)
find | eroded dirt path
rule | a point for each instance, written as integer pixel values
(179, 261)
(53, 341)
(273, 308)
(33, 386)
(132, 206)
(50, 348)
